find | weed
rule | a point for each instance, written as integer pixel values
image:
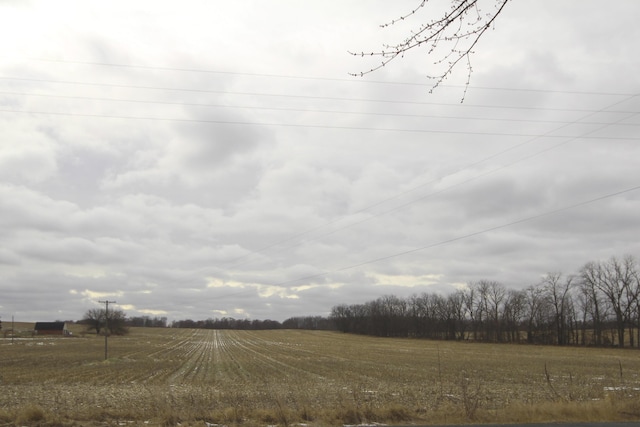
(470, 395)
(30, 414)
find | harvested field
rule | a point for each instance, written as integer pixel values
(193, 377)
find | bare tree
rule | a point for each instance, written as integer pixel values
(558, 310)
(117, 322)
(482, 308)
(450, 37)
(469, 300)
(534, 303)
(497, 296)
(342, 316)
(637, 305)
(94, 319)
(632, 291)
(513, 314)
(558, 293)
(456, 302)
(593, 305)
(617, 280)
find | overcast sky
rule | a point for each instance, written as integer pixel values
(215, 158)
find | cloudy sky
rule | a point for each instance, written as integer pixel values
(215, 158)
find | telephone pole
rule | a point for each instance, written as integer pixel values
(106, 325)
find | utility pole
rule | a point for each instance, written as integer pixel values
(106, 325)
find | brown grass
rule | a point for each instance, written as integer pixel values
(193, 377)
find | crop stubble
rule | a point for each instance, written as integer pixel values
(271, 377)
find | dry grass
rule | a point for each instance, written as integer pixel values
(193, 377)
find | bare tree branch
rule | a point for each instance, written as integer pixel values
(457, 33)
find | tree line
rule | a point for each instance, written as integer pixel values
(302, 322)
(600, 305)
(116, 322)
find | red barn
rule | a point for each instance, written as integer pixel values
(51, 328)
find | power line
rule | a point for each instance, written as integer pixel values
(297, 96)
(464, 236)
(310, 126)
(530, 156)
(305, 110)
(322, 126)
(335, 79)
(450, 240)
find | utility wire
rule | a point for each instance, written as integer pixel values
(467, 181)
(334, 79)
(249, 123)
(281, 95)
(465, 236)
(311, 126)
(448, 241)
(302, 110)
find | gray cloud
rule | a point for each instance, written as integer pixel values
(184, 164)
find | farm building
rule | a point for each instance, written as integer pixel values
(51, 328)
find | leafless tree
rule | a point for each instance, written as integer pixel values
(617, 281)
(449, 38)
(482, 308)
(513, 314)
(469, 300)
(496, 299)
(593, 304)
(534, 303)
(457, 315)
(558, 310)
(94, 318)
(559, 294)
(637, 305)
(342, 316)
(633, 298)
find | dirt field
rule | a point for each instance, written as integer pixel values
(193, 377)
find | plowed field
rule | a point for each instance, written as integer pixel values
(171, 376)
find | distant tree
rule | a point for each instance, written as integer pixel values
(309, 323)
(618, 283)
(496, 296)
(227, 323)
(95, 319)
(481, 308)
(117, 322)
(342, 317)
(513, 314)
(449, 38)
(535, 317)
(186, 323)
(147, 322)
(593, 304)
(456, 305)
(636, 310)
(583, 309)
(469, 300)
(559, 294)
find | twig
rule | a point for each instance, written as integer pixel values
(620, 366)
(546, 374)
(440, 373)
